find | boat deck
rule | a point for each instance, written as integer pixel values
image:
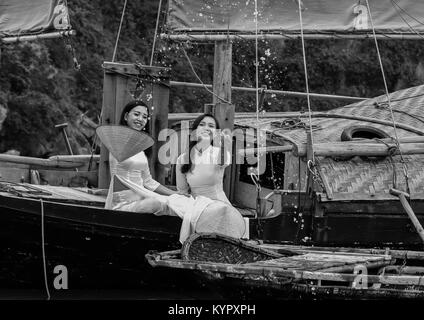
(53, 193)
(323, 261)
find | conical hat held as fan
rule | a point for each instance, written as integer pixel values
(123, 142)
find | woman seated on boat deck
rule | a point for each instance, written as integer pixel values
(136, 168)
(145, 195)
(202, 173)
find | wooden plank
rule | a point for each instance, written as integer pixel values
(159, 122)
(10, 174)
(351, 267)
(320, 261)
(294, 172)
(7, 165)
(70, 193)
(132, 69)
(398, 254)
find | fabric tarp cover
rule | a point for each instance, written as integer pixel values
(341, 16)
(27, 17)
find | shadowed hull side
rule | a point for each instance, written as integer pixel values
(351, 223)
(100, 248)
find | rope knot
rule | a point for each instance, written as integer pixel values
(392, 150)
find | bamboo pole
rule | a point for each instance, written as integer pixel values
(285, 115)
(253, 151)
(352, 148)
(78, 158)
(412, 139)
(238, 115)
(398, 254)
(51, 162)
(402, 197)
(50, 35)
(318, 96)
(287, 36)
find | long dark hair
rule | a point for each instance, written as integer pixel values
(187, 166)
(128, 107)
(131, 105)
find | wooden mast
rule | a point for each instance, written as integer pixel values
(222, 108)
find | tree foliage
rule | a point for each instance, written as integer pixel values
(40, 86)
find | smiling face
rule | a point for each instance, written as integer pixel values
(206, 129)
(137, 117)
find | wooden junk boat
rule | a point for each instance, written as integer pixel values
(52, 213)
(350, 177)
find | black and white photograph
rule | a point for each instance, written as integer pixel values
(212, 156)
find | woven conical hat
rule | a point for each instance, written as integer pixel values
(221, 218)
(123, 142)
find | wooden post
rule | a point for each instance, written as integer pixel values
(158, 122)
(309, 157)
(116, 94)
(221, 108)
(222, 71)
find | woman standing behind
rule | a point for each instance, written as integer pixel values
(202, 173)
(136, 168)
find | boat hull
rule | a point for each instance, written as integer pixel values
(99, 248)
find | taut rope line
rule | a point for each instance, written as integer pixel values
(200, 80)
(256, 15)
(306, 79)
(119, 31)
(43, 250)
(405, 170)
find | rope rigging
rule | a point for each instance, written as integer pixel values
(306, 79)
(405, 169)
(119, 31)
(200, 80)
(43, 250)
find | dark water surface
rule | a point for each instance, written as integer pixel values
(22, 277)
